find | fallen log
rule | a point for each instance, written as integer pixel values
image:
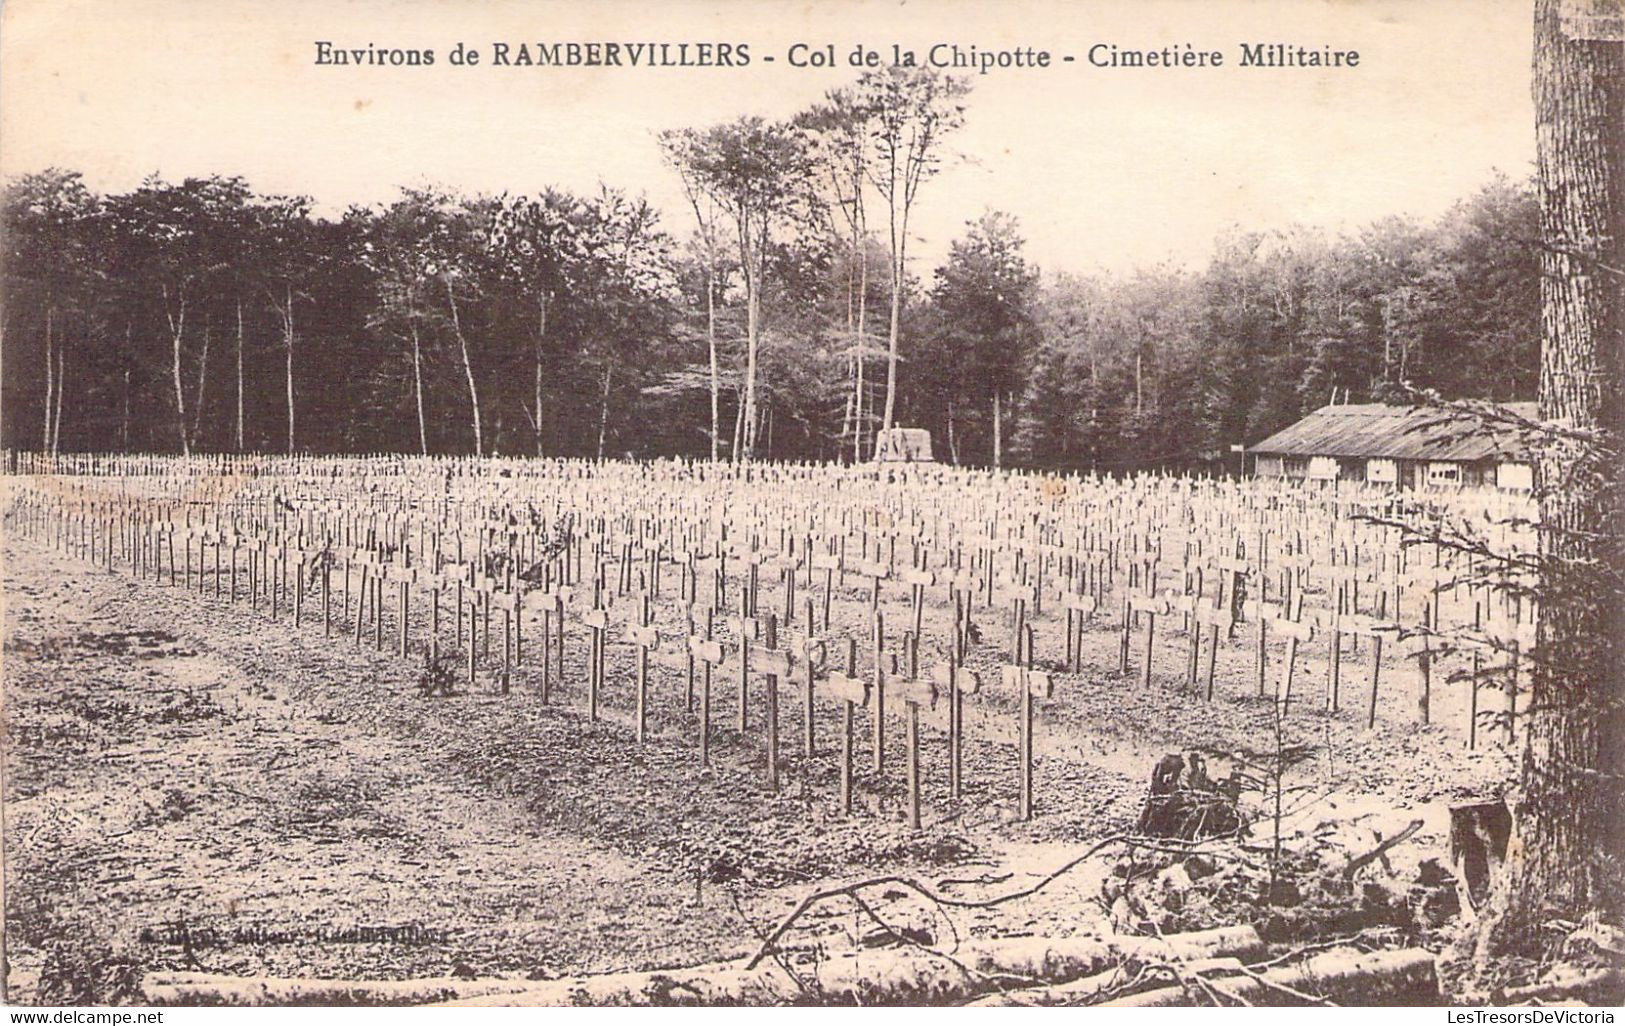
(1116, 981)
(215, 989)
(893, 975)
(1341, 975)
(1567, 982)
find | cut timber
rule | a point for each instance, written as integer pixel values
(1342, 976)
(1092, 989)
(893, 975)
(212, 989)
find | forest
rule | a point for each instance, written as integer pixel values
(779, 317)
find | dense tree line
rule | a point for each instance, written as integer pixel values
(777, 318)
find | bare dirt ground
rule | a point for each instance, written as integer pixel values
(195, 787)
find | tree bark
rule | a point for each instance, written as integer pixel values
(202, 382)
(541, 340)
(711, 348)
(124, 423)
(862, 346)
(1569, 820)
(50, 380)
(899, 266)
(239, 376)
(287, 343)
(61, 386)
(603, 409)
(998, 431)
(177, 328)
(468, 367)
(751, 266)
(417, 384)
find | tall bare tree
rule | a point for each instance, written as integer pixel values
(756, 171)
(683, 151)
(911, 110)
(838, 131)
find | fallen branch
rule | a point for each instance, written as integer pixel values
(852, 889)
(1359, 863)
(1336, 976)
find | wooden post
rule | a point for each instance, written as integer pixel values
(709, 653)
(745, 628)
(1295, 632)
(851, 692)
(956, 682)
(1150, 608)
(471, 629)
(596, 620)
(645, 637)
(1376, 669)
(777, 665)
(1028, 684)
(878, 634)
(813, 653)
(1123, 640)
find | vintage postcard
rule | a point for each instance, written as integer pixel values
(850, 503)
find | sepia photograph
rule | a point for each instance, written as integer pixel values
(871, 503)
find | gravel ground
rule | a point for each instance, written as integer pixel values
(196, 787)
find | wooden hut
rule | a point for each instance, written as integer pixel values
(1400, 446)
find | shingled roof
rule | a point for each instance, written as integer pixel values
(1398, 432)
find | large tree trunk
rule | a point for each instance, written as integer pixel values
(541, 340)
(287, 344)
(748, 447)
(711, 347)
(50, 380)
(863, 313)
(1139, 383)
(752, 268)
(239, 376)
(468, 368)
(898, 266)
(603, 409)
(202, 382)
(61, 386)
(1569, 834)
(177, 328)
(998, 431)
(417, 385)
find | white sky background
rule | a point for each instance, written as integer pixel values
(1104, 168)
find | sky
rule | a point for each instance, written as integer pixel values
(1106, 169)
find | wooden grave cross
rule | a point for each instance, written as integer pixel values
(745, 629)
(851, 691)
(1029, 684)
(814, 654)
(643, 634)
(1079, 608)
(915, 692)
(595, 620)
(775, 664)
(709, 653)
(955, 681)
(1151, 607)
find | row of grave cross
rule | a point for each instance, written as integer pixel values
(895, 676)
